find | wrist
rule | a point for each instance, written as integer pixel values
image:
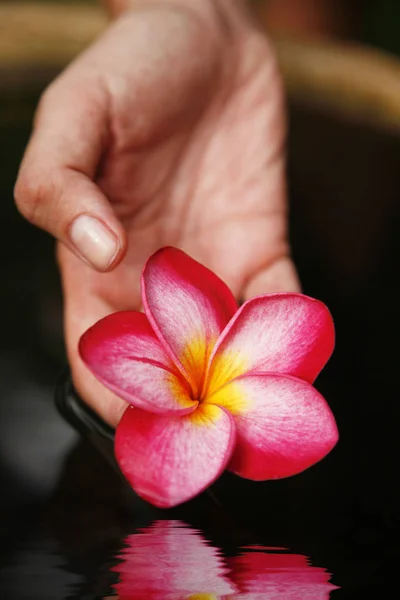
(118, 7)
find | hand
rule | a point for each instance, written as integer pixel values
(169, 130)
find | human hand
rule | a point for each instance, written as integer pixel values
(168, 130)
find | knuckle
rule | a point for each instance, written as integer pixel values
(27, 197)
(31, 193)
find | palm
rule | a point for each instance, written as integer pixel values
(201, 170)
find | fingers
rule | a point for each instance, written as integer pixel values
(88, 297)
(55, 188)
(280, 276)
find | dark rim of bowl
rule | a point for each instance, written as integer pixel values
(76, 412)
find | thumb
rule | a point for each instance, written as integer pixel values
(279, 276)
(55, 188)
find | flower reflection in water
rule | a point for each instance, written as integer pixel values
(262, 575)
(171, 561)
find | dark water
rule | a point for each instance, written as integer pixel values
(69, 529)
(170, 559)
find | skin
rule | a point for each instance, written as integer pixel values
(170, 129)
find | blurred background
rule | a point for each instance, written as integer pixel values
(341, 64)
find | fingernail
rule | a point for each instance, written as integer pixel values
(94, 241)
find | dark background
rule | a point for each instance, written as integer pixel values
(61, 504)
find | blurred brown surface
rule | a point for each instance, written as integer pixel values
(310, 18)
(34, 35)
(360, 83)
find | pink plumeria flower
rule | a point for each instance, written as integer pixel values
(171, 561)
(281, 576)
(212, 385)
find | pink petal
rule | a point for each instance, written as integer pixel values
(167, 561)
(124, 353)
(188, 306)
(283, 425)
(168, 460)
(261, 575)
(279, 333)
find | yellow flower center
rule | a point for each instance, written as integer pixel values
(209, 384)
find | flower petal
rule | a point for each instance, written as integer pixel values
(280, 333)
(188, 306)
(124, 353)
(283, 425)
(168, 460)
